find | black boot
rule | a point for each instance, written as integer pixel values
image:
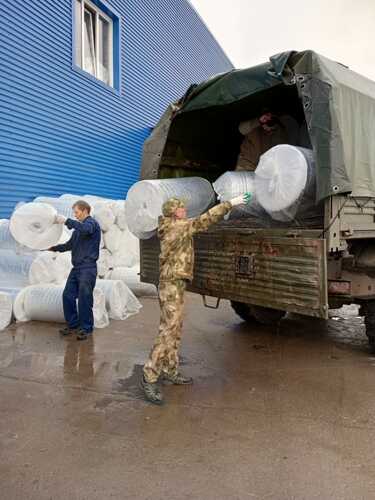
(67, 331)
(177, 379)
(83, 335)
(152, 392)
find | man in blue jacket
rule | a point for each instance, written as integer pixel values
(84, 245)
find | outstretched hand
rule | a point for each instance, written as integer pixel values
(60, 219)
(243, 199)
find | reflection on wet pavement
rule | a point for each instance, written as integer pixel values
(276, 413)
(109, 362)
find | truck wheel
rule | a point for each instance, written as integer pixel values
(262, 315)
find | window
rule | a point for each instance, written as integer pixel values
(93, 51)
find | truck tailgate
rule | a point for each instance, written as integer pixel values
(282, 272)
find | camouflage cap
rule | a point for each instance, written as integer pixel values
(171, 205)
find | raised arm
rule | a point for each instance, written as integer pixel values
(85, 227)
(212, 216)
(216, 214)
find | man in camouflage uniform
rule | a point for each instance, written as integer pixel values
(176, 268)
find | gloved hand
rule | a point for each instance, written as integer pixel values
(243, 199)
(60, 219)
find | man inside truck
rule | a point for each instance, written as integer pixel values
(176, 233)
(263, 133)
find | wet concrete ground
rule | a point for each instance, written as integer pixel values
(286, 414)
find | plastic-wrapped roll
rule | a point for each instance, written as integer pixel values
(232, 184)
(66, 235)
(6, 308)
(120, 300)
(93, 200)
(145, 199)
(14, 269)
(42, 269)
(44, 303)
(63, 266)
(70, 198)
(11, 291)
(285, 181)
(104, 215)
(101, 318)
(39, 302)
(127, 254)
(112, 239)
(33, 225)
(62, 206)
(104, 262)
(130, 276)
(7, 242)
(118, 208)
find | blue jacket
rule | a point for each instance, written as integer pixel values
(84, 243)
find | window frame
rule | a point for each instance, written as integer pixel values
(94, 9)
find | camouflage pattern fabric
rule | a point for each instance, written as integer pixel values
(176, 242)
(171, 205)
(164, 354)
(176, 266)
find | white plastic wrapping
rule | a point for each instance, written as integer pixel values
(63, 266)
(50, 267)
(66, 235)
(130, 276)
(33, 225)
(11, 291)
(104, 262)
(7, 242)
(233, 184)
(127, 254)
(14, 269)
(62, 206)
(118, 208)
(112, 239)
(145, 199)
(42, 269)
(120, 300)
(104, 215)
(70, 198)
(44, 303)
(92, 199)
(6, 308)
(285, 181)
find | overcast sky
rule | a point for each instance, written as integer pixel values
(252, 30)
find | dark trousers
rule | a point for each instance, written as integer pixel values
(80, 285)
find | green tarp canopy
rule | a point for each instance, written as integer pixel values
(339, 108)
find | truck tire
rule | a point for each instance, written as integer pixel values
(259, 314)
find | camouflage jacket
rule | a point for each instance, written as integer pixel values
(176, 242)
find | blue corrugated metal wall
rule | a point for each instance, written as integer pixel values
(61, 131)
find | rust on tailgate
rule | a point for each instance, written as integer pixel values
(286, 273)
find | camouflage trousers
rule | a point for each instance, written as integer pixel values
(164, 354)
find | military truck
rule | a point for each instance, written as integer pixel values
(302, 267)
